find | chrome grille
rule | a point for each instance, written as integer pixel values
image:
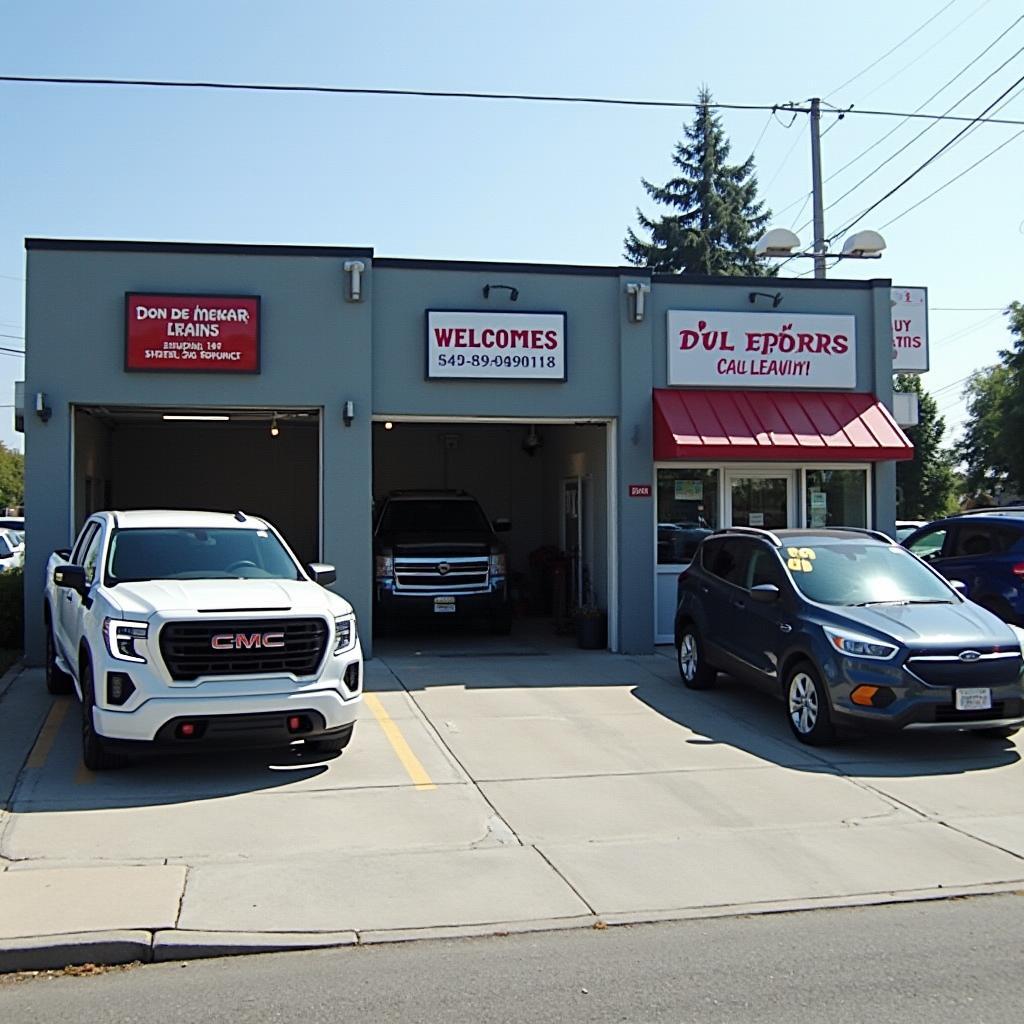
(441, 575)
(188, 653)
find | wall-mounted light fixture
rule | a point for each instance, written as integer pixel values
(636, 290)
(274, 428)
(776, 298)
(533, 441)
(43, 410)
(355, 270)
(348, 412)
(513, 293)
(388, 425)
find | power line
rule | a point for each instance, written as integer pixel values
(17, 337)
(446, 94)
(913, 174)
(864, 152)
(953, 179)
(888, 53)
(919, 135)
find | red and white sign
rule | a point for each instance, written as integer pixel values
(639, 490)
(909, 330)
(495, 346)
(761, 350)
(192, 333)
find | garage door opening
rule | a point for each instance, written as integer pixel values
(546, 482)
(265, 462)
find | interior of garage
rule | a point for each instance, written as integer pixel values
(265, 462)
(536, 475)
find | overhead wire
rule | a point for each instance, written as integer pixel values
(913, 174)
(891, 51)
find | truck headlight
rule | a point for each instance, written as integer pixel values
(498, 565)
(383, 567)
(344, 634)
(120, 636)
(855, 646)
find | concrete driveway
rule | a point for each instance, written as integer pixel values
(492, 785)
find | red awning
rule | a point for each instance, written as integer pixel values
(776, 426)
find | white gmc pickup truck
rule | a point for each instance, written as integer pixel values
(198, 630)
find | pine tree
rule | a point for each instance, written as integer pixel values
(716, 218)
(925, 485)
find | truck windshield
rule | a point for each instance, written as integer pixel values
(184, 553)
(429, 515)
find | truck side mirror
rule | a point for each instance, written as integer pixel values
(322, 573)
(72, 577)
(502, 525)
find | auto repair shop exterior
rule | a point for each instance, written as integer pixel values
(714, 401)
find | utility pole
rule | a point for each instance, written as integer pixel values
(818, 201)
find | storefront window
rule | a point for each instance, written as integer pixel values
(687, 512)
(837, 497)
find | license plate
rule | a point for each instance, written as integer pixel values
(975, 699)
(444, 605)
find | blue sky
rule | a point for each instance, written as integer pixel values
(506, 180)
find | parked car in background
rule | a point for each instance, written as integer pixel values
(982, 549)
(849, 629)
(12, 523)
(905, 527)
(677, 542)
(12, 550)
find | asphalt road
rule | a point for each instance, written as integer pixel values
(956, 960)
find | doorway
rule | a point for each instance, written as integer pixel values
(764, 499)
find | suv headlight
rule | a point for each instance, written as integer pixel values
(344, 634)
(498, 564)
(383, 567)
(120, 636)
(855, 646)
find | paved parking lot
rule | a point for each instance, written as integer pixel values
(492, 784)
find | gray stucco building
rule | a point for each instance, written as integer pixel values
(607, 412)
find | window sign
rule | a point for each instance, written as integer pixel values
(909, 330)
(192, 333)
(761, 350)
(495, 346)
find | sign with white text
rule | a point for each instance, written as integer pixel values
(909, 330)
(495, 346)
(192, 333)
(761, 350)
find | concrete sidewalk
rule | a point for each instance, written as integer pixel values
(492, 786)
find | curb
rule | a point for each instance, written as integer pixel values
(55, 952)
(10, 675)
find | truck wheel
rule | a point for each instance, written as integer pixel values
(57, 681)
(95, 756)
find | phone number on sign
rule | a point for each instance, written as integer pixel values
(482, 359)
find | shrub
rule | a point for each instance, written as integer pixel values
(12, 608)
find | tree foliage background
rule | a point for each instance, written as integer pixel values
(992, 448)
(926, 484)
(715, 217)
(12, 478)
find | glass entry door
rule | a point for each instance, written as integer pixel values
(764, 499)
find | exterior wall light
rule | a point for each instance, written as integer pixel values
(636, 290)
(513, 293)
(355, 270)
(779, 243)
(274, 428)
(43, 410)
(348, 412)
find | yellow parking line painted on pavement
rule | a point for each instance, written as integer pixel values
(409, 760)
(83, 777)
(48, 733)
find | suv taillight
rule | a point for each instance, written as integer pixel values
(1018, 569)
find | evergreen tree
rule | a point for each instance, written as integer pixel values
(925, 485)
(716, 218)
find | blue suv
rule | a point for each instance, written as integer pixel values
(984, 550)
(848, 628)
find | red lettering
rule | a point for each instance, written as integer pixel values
(443, 336)
(487, 337)
(520, 339)
(552, 339)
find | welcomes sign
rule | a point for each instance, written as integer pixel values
(909, 330)
(495, 346)
(761, 350)
(192, 333)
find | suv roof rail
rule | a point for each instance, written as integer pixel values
(990, 509)
(877, 534)
(752, 531)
